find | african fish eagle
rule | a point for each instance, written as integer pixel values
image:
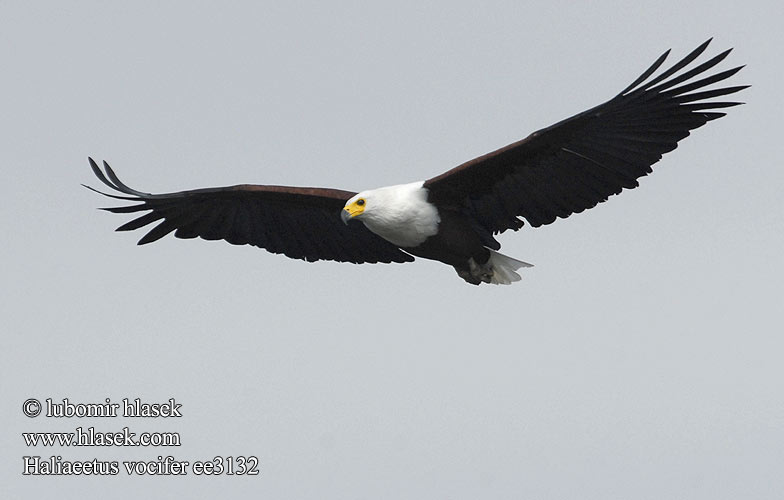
(452, 218)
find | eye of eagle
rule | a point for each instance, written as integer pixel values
(360, 202)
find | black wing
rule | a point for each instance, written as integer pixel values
(581, 161)
(301, 223)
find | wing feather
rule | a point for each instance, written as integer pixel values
(302, 223)
(581, 161)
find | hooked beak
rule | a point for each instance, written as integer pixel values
(345, 216)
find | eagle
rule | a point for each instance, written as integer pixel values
(454, 217)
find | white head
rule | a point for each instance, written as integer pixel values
(400, 214)
(389, 202)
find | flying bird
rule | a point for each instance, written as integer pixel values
(454, 217)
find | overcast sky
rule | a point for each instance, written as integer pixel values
(639, 359)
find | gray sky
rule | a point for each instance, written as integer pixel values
(640, 358)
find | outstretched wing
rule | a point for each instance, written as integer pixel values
(301, 223)
(581, 161)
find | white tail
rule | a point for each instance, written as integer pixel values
(504, 268)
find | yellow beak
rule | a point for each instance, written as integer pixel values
(345, 215)
(351, 211)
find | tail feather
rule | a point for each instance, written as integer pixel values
(504, 268)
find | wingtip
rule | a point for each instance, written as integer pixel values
(94, 191)
(93, 165)
(108, 169)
